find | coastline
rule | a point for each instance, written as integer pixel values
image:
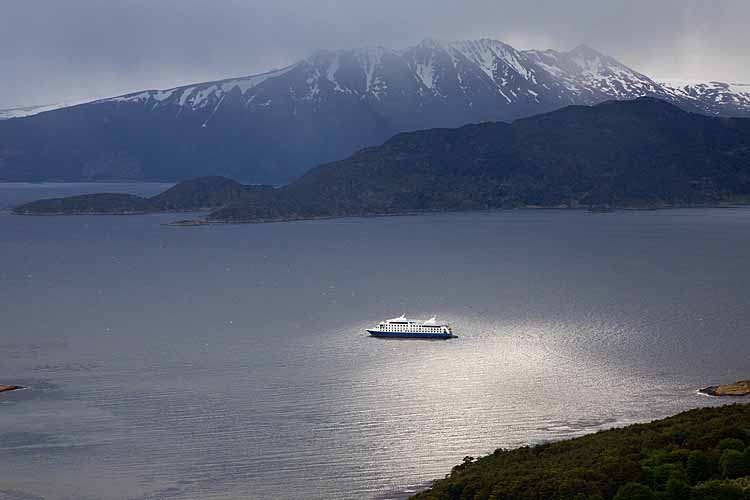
(737, 390)
(517, 471)
(99, 213)
(264, 220)
(206, 221)
(221, 200)
(8, 388)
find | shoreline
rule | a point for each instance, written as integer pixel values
(737, 390)
(8, 388)
(261, 220)
(513, 471)
(206, 222)
(121, 213)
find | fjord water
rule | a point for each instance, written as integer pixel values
(230, 361)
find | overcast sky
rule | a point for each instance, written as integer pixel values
(53, 50)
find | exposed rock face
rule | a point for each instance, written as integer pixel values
(741, 388)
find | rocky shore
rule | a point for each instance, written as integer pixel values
(7, 388)
(187, 223)
(741, 388)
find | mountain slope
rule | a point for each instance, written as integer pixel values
(270, 128)
(638, 153)
(713, 98)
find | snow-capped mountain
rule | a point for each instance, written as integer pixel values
(272, 126)
(713, 98)
(593, 77)
(463, 73)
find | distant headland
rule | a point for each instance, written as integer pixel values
(200, 194)
(8, 388)
(641, 154)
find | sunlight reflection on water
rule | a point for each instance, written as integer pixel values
(231, 361)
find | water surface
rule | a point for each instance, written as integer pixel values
(230, 362)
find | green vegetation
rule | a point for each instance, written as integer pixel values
(701, 454)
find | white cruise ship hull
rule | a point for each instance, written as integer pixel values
(411, 335)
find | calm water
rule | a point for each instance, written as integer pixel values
(230, 362)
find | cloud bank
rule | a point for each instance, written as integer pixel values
(52, 51)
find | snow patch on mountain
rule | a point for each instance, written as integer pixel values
(739, 88)
(487, 54)
(712, 97)
(371, 59)
(590, 75)
(688, 86)
(426, 73)
(510, 82)
(331, 71)
(23, 111)
(200, 95)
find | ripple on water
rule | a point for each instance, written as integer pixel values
(231, 362)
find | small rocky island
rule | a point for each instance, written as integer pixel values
(8, 388)
(203, 193)
(741, 388)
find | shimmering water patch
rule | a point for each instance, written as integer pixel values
(230, 362)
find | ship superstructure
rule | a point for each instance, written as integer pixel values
(403, 327)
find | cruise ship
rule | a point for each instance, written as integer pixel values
(402, 327)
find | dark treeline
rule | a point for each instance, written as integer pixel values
(701, 454)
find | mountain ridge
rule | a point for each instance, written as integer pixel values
(644, 153)
(271, 127)
(640, 153)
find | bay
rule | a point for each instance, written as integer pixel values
(231, 362)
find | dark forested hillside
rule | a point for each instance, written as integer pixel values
(193, 194)
(641, 153)
(697, 455)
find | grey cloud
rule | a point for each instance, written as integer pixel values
(52, 50)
